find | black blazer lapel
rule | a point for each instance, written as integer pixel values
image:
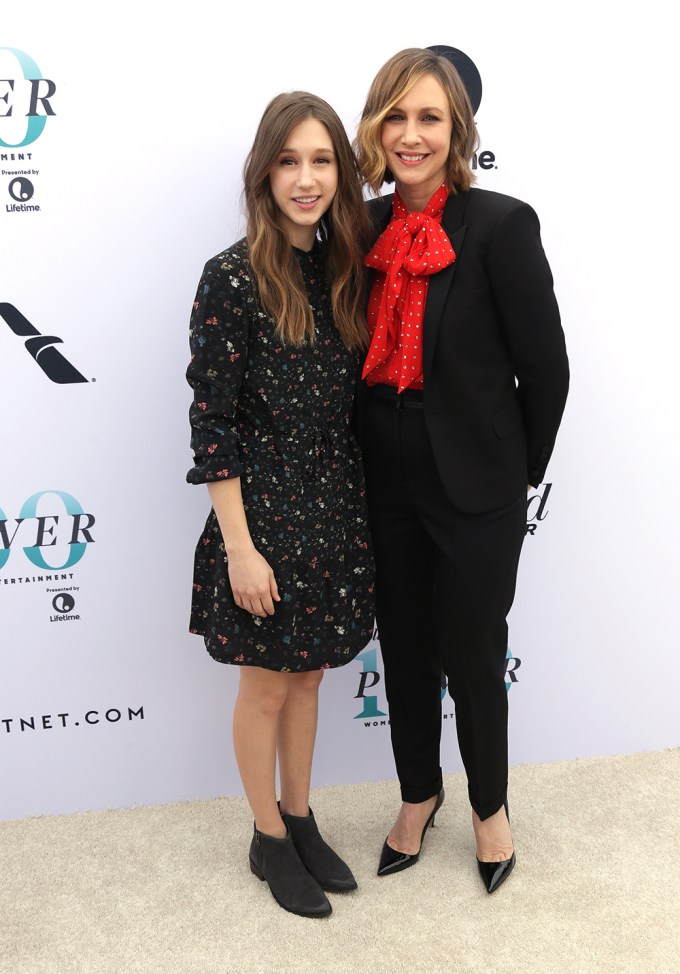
(440, 284)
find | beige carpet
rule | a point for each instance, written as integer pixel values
(168, 889)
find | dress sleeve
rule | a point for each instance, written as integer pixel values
(218, 339)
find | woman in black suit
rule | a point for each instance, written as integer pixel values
(465, 384)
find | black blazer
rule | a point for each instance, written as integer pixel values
(495, 366)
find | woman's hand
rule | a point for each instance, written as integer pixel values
(252, 582)
(250, 576)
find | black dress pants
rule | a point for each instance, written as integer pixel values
(445, 583)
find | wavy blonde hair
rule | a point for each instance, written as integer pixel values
(344, 227)
(391, 83)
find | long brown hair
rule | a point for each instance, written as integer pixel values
(396, 77)
(344, 227)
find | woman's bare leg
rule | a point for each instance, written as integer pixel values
(295, 740)
(261, 699)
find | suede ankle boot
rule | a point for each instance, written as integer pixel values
(325, 865)
(277, 862)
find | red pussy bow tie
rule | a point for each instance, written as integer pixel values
(413, 246)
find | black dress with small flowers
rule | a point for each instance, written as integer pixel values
(278, 417)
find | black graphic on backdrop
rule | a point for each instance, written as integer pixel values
(55, 366)
(466, 68)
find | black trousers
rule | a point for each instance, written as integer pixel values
(445, 584)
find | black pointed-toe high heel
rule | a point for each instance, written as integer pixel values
(392, 861)
(495, 873)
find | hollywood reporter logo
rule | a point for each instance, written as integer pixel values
(41, 348)
(70, 529)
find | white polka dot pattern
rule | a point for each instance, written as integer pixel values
(413, 247)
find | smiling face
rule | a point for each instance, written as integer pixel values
(304, 180)
(416, 136)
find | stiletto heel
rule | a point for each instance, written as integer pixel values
(495, 873)
(392, 861)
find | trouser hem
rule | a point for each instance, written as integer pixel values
(420, 793)
(490, 808)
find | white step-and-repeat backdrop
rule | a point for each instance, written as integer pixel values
(121, 147)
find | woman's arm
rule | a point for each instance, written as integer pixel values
(251, 577)
(219, 352)
(522, 287)
(218, 338)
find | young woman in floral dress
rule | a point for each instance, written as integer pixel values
(283, 582)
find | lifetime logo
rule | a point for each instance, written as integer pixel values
(472, 80)
(41, 347)
(79, 533)
(64, 604)
(30, 87)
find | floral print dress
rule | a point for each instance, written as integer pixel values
(278, 416)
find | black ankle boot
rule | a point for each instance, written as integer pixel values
(325, 865)
(277, 862)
